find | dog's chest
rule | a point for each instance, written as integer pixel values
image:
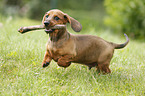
(55, 48)
(59, 49)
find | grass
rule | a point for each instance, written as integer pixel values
(21, 72)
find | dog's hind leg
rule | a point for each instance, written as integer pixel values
(104, 68)
(90, 68)
(92, 65)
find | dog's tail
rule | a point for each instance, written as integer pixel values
(119, 46)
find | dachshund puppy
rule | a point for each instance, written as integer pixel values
(64, 47)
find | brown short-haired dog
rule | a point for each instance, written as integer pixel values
(64, 47)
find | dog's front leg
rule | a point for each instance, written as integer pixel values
(47, 59)
(64, 61)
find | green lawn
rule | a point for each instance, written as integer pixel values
(21, 72)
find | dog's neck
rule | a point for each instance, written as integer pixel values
(59, 35)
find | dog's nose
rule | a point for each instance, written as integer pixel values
(46, 23)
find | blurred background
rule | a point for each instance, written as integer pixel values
(21, 55)
(119, 16)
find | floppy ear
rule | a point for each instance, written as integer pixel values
(75, 25)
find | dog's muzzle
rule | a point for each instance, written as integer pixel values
(46, 23)
(51, 29)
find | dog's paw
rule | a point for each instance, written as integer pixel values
(45, 64)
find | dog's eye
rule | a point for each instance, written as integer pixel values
(56, 18)
(47, 16)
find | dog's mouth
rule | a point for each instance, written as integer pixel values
(49, 30)
(53, 28)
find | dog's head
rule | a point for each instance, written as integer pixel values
(55, 16)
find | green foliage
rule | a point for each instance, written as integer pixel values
(89, 19)
(79, 4)
(37, 8)
(21, 73)
(126, 16)
(13, 7)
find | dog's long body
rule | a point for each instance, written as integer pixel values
(64, 47)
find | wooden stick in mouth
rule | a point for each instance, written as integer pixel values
(38, 27)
